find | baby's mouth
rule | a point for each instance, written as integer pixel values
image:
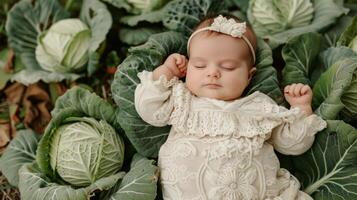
(212, 85)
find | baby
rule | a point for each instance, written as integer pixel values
(221, 144)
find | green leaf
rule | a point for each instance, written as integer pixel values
(140, 182)
(76, 55)
(3, 57)
(349, 34)
(35, 185)
(144, 137)
(184, 15)
(88, 103)
(333, 34)
(28, 76)
(333, 55)
(119, 4)
(99, 19)
(265, 79)
(300, 55)
(93, 62)
(20, 151)
(352, 7)
(4, 77)
(328, 171)
(238, 13)
(136, 36)
(334, 82)
(152, 17)
(26, 20)
(242, 4)
(112, 59)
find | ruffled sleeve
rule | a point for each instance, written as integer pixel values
(296, 131)
(153, 100)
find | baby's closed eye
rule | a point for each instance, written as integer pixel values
(199, 66)
(228, 67)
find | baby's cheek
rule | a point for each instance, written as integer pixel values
(192, 77)
(190, 83)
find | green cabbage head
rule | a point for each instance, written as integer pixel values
(272, 16)
(84, 150)
(64, 46)
(353, 44)
(145, 6)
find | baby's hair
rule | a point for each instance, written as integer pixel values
(208, 20)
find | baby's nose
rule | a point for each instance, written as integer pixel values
(213, 72)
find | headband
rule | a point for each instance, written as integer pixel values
(226, 26)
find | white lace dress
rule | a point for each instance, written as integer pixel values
(224, 150)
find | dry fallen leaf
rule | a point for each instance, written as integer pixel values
(14, 93)
(7, 130)
(9, 66)
(37, 105)
(35, 101)
(5, 136)
(7, 191)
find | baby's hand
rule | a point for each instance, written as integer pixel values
(177, 64)
(299, 95)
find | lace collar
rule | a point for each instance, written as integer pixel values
(227, 105)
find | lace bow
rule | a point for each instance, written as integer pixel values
(228, 26)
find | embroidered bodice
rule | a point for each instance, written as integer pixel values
(224, 150)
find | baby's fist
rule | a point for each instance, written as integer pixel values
(177, 64)
(298, 94)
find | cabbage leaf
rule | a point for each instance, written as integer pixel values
(301, 59)
(21, 150)
(35, 185)
(334, 92)
(328, 171)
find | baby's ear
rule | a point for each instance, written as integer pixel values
(252, 72)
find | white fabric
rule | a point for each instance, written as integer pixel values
(224, 150)
(226, 26)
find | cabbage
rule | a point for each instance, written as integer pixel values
(277, 15)
(53, 49)
(64, 47)
(86, 150)
(277, 21)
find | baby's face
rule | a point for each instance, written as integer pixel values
(218, 67)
